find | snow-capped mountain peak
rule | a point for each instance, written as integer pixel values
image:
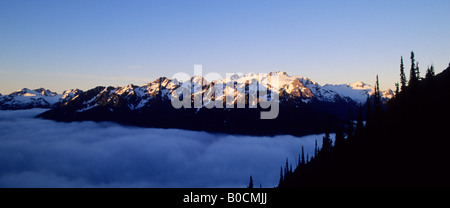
(129, 89)
(69, 94)
(29, 93)
(38, 98)
(360, 86)
(199, 80)
(279, 73)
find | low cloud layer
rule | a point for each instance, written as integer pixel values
(43, 153)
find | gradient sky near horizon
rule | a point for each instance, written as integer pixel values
(86, 43)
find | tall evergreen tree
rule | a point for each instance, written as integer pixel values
(402, 74)
(413, 72)
(430, 72)
(377, 96)
(286, 168)
(302, 161)
(397, 89)
(417, 71)
(316, 150)
(250, 185)
(327, 143)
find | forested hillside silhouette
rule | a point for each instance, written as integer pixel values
(405, 145)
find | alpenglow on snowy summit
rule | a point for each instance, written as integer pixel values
(227, 91)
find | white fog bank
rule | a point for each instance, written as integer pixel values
(43, 153)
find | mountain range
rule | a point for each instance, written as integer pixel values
(304, 105)
(296, 86)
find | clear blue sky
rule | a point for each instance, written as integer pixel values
(85, 43)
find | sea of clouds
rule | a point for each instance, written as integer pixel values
(44, 153)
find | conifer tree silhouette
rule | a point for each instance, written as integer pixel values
(430, 72)
(250, 185)
(397, 89)
(417, 71)
(286, 168)
(316, 150)
(327, 143)
(402, 75)
(302, 162)
(377, 96)
(413, 71)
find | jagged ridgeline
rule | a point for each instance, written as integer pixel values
(305, 107)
